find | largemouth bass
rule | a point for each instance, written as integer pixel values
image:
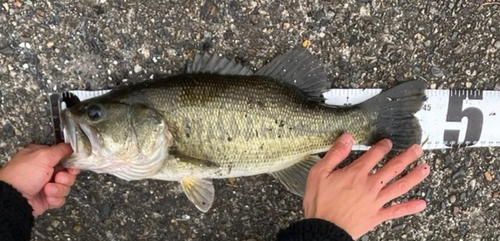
(222, 120)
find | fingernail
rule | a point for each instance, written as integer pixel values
(345, 139)
(425, 169)
(421, 205)
(388, 142)
(417, 149)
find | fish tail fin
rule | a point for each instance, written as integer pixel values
(392, 114)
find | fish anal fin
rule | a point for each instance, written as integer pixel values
(199, 191)
(295, 177)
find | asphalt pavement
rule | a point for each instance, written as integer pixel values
(48, 46)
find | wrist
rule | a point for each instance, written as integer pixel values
(5, 177)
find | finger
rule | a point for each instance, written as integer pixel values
(56, 190)
(403, 185)
(56, 202)
(376, 153)
(64, 178)
(73, 171)
(398, 164)
(401, 210)
(337, 153)
(56, 153)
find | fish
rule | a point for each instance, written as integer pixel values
(220, 119)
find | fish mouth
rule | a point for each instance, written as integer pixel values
(80, 136)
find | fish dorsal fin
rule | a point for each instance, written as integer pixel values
(295, 177)
(215, 64)
(299, 68)
(199, 191)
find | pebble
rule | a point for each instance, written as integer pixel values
(496, 194)
(497, 86)
(472, 183)
(50, 44)
(453, 199)
(6, 50)
(468, 85)
(55, 223)
(417, 70)
(77, 228)
(456, 209)
(8, 130)
(365, 238)
(497, 44)
(47, 130)
(399, 226)
(459, 174)
(488, 176)
(25, 45)
(6, 6)
(137, 69)
(437, 72)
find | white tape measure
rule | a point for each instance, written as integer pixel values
(449, 118)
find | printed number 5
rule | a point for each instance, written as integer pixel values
(455, 114)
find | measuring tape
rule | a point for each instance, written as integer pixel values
(449, 118)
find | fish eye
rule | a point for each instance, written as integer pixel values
(94, 112)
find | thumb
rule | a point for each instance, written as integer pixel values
(338, 152)
(56, 152)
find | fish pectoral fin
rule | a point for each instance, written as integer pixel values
(193, 160)
(199, 191)
(295, 177)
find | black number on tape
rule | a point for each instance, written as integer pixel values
(455, 114)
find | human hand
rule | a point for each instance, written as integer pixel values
(353, 197)
(33, 172)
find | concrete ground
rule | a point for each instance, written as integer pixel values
(51, 45)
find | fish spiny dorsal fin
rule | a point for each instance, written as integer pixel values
(301, 69)
(206, 63)
(295, 177)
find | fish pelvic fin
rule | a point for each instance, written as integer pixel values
(392, 114)
(295, 177)
(199, 191)
(299, 68)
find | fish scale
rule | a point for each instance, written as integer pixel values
(255, 124)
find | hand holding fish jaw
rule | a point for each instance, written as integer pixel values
(353, 197)
(33, 172)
